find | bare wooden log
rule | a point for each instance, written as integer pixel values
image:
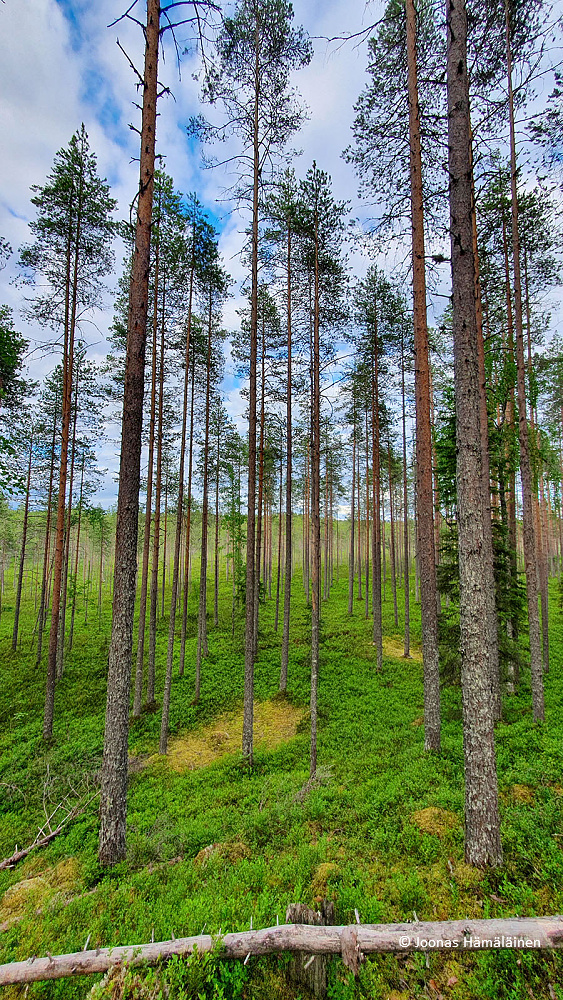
(306, 969)
(352, 955)
(452, 935)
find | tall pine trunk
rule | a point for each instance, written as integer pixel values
(367, 536)
(76, 554)
(482, 823)
(216, 555)
(22, 550)
(425, 519)
(113, 801)
(406, 574)
(188, 531)
(377, 633)
(202, 611)
(279, 563)
(491, 623)
(352, 525)
(530, 555)
(139, 670)
(163, 745)
(315, 510)
(153, 598)
(261, 505)
(392, 536)
(249, 646)
(71, 298)
(66, 550)
(288, 484)
(46, 547)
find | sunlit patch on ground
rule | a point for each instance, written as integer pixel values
(519, 793)
(36, 887)
(434, 820)
(275, 722)
(395, 648)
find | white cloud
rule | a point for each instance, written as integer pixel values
(61, 66)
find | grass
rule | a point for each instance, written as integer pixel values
(210, 844)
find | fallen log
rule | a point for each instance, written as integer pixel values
(351, 942)
(310, 971)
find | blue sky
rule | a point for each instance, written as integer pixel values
(61, 66)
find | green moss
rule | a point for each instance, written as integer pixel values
(383, 833)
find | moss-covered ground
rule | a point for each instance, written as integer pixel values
(213, 845)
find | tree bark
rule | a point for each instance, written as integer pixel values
(288, 484)
(359, 549)
(138, 695)
(279, 560)
(367, 536)
(530, 555)
(163, 745)
(202, 612)
(307, 524)
(22, 551)
(488, 561)
(425, 520)
(541, 533)
(261, 505)
(113, 803)
(326, 573)
(511, 499)
(249, 644)
(377, 634)
(315, 508)
(352, 525)
(68, 357)
(482, 822)
(406, 574)
(47, 545)
(216, 547)
(153, 598)
(392, 536)
(66, 547)
(76, 554)
(188, 530)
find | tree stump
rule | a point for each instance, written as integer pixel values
(304, 969)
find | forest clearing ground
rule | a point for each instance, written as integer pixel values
(275, 722)
(381, 832)
(393, 646)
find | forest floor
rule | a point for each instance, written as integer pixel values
(381, 831)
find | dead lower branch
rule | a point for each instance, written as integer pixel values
(57, 817)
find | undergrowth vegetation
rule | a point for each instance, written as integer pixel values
(213, 846)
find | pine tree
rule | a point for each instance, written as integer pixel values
(257, 48)
(323, 226)
(12, 351)
(113, 808)
(72, 251)
(482, 823)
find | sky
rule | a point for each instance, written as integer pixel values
(61, 66)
